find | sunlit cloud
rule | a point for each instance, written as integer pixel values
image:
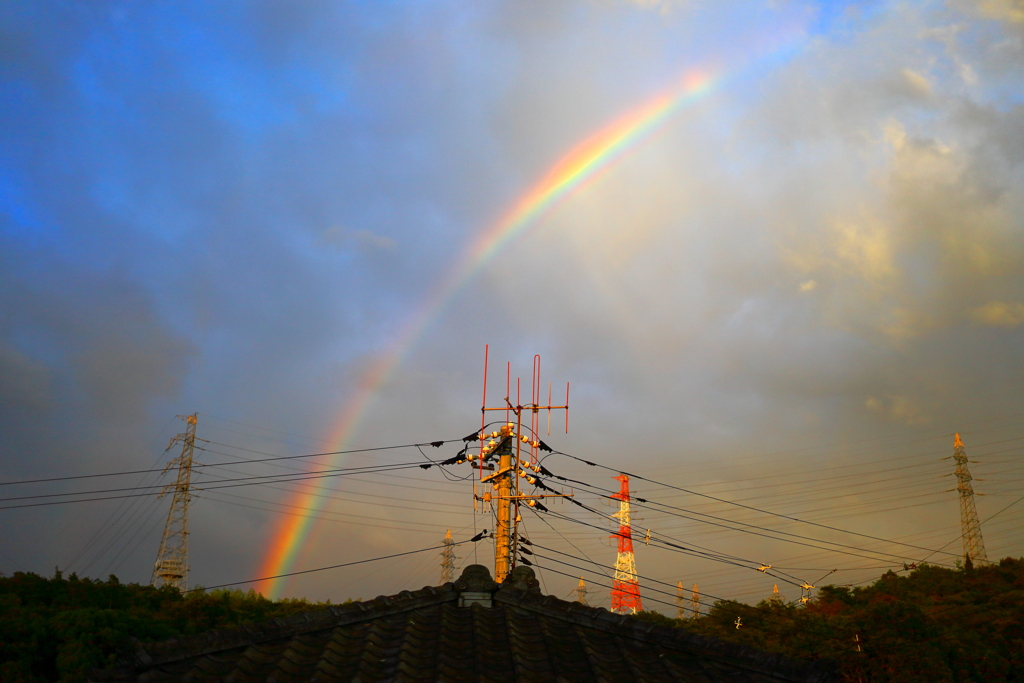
(999, 314)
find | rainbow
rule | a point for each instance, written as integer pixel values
(580, 165)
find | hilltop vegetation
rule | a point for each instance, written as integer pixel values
(57, 629)
(933, 625)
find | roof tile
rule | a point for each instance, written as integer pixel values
(424, 636)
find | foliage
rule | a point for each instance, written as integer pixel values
(933, 624)
(57, 629)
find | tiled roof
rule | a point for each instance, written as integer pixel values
(470, 630)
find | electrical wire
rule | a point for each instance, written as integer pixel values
(436, 444)
(335, 566)
(275, 478)
(748, 507)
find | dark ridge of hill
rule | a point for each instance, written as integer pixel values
(58, 629)
(932, 625)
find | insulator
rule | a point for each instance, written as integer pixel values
(531, 503)
(531, 480)
(535, 468)
(483, 436)
(459, 462)
(535, 444)
(525, 438)
(494, 435)
(492, 443)
(521, 473)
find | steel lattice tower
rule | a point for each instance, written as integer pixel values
(171, 566)
(581, 592)
(974, 544)
(448, 559)
(695, 603)
(680, 602)
(625, 587)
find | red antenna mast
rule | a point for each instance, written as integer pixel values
(625, 587)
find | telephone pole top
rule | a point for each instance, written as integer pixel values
(171, 566)
(508, 455)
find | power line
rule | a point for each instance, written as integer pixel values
(435, 444)
(207, 488)
(336, 566)
(748, 507)
(747, 531)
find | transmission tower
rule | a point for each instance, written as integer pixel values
(625, 587)
(448, 559)
(680, 602)
(970, 527)
(581, 592)
(695, 603)
(171, 567)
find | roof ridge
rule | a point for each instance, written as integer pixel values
(771, 663)
(296, 624)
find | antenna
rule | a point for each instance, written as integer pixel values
(171, 566)
(970, 527)
(506, 446)
(625, 586)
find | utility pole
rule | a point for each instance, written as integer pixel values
(581, 592)
(508, 486)
(625, 586)
(171, 566)
(695, 603)
(448, 559)
(515, 446)
(970, 527)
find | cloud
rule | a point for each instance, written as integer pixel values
(362, 239)
(1005, 10)
(999, 314)
(900, 409)
(24, 382)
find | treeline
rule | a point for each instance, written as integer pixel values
(58, 629)
(931, 625)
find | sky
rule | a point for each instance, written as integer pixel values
(777, 249)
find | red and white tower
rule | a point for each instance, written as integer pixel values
(625, 587)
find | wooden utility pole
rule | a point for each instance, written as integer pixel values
(506, 480)
(513, 462)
